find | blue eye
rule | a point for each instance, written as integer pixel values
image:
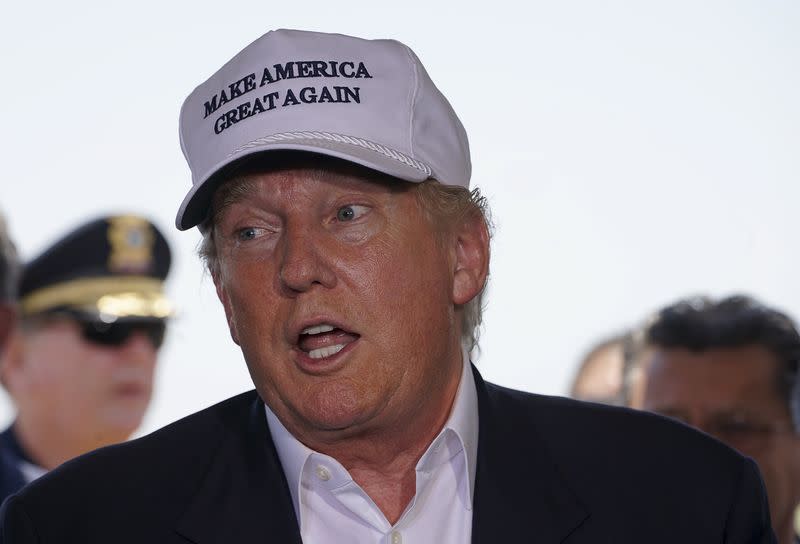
(346, 213)
(246, 234)
(350, 212)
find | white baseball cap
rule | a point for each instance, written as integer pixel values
(370, 102)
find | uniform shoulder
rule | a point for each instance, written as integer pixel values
(180, 449)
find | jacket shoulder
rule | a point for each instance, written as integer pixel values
(619, 446)
(178, 451)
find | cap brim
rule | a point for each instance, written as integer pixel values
(114, 296)
(194, 208)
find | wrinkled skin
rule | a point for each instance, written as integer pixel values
(300, 247)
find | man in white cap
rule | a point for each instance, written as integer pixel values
(330, 182)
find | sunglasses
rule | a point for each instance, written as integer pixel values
(117, 333)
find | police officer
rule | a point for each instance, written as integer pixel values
(9, 269)
(79, 366)
(8, 283)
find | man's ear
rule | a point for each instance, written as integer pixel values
(471, 259)
(222, 294)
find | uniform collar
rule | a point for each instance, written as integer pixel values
(460, 432)
(23, 461)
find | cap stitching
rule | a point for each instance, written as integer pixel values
(340, 138)
(413, 98)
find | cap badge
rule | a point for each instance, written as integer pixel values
(131, 239)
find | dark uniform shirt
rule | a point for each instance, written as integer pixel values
(12, 457)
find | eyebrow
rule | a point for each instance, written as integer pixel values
(230, 192)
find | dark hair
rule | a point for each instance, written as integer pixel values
(700, 323)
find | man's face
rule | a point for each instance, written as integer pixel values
(99, 391)
(342, 300)
(732, 393)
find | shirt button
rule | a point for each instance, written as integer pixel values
(396, 538)
(323, 473)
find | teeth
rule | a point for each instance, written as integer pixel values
(327, 351)
(317, 329)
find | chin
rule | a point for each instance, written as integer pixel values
(123, 424)
(336, 421)
(335, 409)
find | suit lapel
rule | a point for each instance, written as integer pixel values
(518, 490)
(243, 496)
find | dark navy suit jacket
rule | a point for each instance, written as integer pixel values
(550, 470)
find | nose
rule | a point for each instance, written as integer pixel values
(304, 261)
(138, 347)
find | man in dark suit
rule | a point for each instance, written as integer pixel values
(330, 182)
(79, 366)
(729, 367)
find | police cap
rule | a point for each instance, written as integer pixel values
(110, 268)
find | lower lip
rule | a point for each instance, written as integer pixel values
(325, 365)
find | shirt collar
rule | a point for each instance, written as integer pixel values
(30, 470)
(292, 454)
(462, 423)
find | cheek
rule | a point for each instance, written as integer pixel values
(53, 363)
(409, 290)
(251, 303)
(782, 456)
(241, 282)
(82, 375)
(150, 367)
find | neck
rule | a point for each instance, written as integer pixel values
(50, 445)
(383, 461)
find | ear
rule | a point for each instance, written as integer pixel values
(471, 259)
(222, 294)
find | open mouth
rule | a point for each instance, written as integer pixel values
(324, 340)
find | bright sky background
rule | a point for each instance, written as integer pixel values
(632, 152)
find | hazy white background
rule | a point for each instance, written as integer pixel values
(633, 152)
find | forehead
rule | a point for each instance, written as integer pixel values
(712, 376)
(48, 328)
(290, 179)
(603, 367)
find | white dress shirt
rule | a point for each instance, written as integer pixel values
(332, 508)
